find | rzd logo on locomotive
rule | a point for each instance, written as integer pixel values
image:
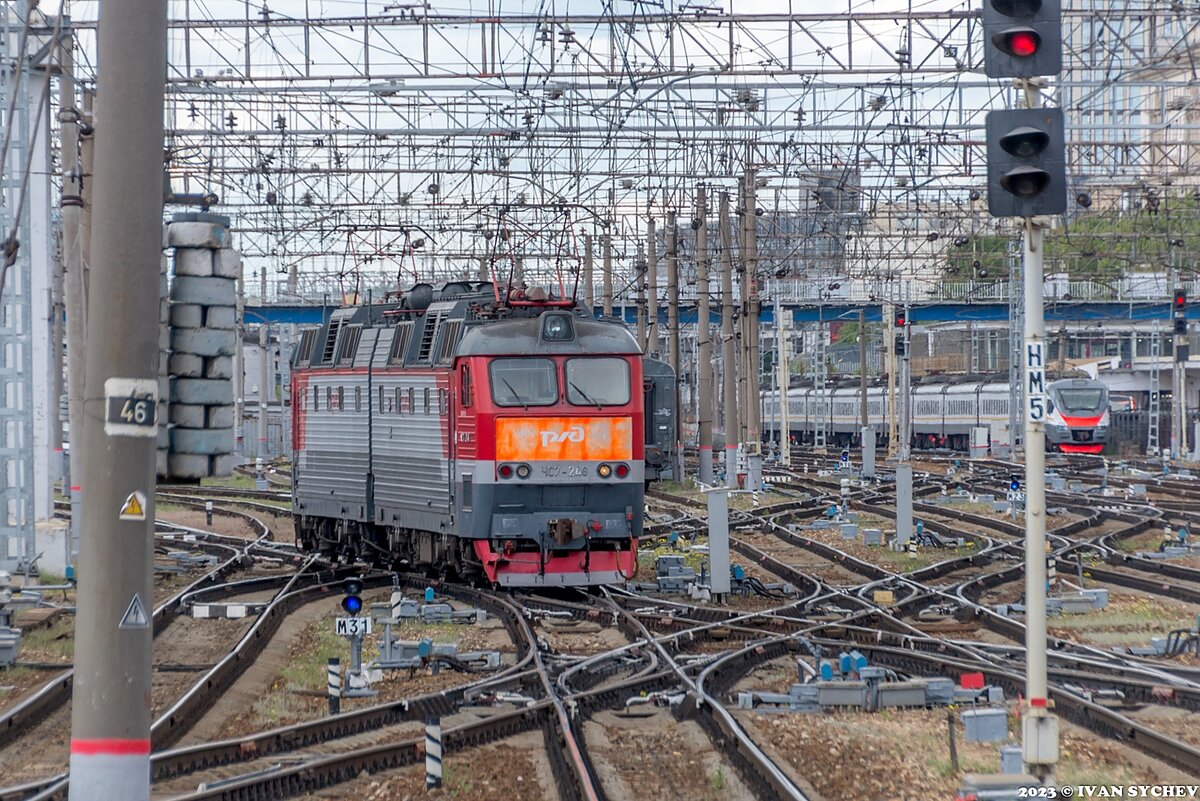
(579, 439)
(572, 434)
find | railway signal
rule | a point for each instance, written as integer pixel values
(901, 320)
(352, 602)
(1026, 155)
(1022, 38)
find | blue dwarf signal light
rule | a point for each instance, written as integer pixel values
(352, 603)
(1015, 484)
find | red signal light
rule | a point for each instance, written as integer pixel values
(1180, 299)
(1018, 42)
(1024, 43)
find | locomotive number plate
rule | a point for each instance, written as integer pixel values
(564, 471)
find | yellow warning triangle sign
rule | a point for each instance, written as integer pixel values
(134, 507)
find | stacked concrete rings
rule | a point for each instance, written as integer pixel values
(203, 331)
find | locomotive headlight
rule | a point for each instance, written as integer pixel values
(622, 470)
(523, 471)
(604, 470)
(505, 471)
(557, 328)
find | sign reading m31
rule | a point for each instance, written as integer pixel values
(1035, 381)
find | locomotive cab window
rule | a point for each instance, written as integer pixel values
(523, 382)
(597, 382)
(1082, 399)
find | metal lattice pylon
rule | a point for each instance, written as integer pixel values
(17, 544)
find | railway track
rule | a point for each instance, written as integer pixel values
(692, 653)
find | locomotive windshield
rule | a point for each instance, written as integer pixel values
(523, 382)
(1084, 399)
(597, 382)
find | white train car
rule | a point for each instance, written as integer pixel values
(944, 413)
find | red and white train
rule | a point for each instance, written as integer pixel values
(945, 410)
(473, 432)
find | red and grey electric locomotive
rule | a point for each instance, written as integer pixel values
(484, 434)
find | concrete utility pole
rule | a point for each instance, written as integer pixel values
(640, 278)
(239, 373)
(1179, 357)
(783, 352)
(606, 287)
(1039, 728)
(744, 396)
(862, 367)
(905, 395)
(110, 709)
(890, 409)
(754, 306)
(704, 361)
(264, 343)
(673, 333)
(589, 296)
(72, 258)
(1180, 392)
(728, 357)
(293, 281)
(87, 159)
(651, 344)
(673, 295)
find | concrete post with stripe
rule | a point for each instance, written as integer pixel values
(110, 706)
(333, 680)
(433, 753)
